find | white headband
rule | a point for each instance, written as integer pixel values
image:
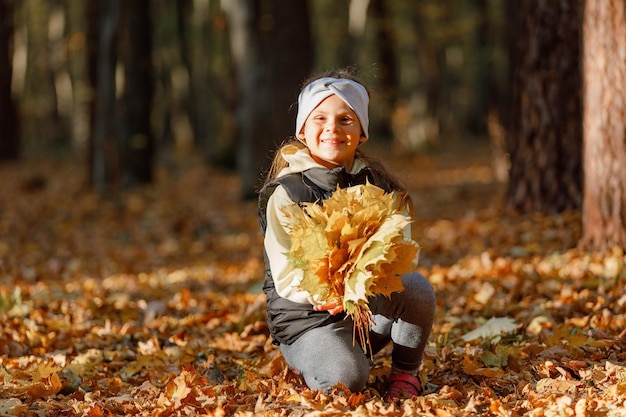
(353, 93)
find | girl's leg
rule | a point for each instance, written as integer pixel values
(326, 356)
(406, 319)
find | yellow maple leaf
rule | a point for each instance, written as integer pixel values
(352, 247)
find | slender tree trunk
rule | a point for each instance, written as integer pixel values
(9, 138)
(483, 81)
(498, 94)
(92, 36)
(546, 133)
(430, 67)
(104, 147)
(210, 103)
(415, 121)
(253, 111)
(387, 70)
(604, 60)
(39, 103)
(138, 146)
(77, 26)
(196, 65)
(170, 113)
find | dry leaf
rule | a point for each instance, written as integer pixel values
(352, 247)
(493, 327)
(73, 294)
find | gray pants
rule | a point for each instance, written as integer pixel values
(326, 355)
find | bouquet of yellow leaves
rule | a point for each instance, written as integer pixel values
(352, 247)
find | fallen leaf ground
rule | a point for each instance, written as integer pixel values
(149, 303)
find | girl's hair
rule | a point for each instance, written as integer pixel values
(379, 171)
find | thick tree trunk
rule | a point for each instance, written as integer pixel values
(546, 134)
(604, 60)
(290, 47)
(269, 49)
(9, 139)
(331, 33)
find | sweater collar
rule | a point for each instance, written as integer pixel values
(300, 160)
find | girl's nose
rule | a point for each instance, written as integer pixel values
(331, 124)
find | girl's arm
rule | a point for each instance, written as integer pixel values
(277, 244)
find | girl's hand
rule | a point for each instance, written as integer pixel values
(333, 307)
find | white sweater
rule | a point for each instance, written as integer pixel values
(277, 243)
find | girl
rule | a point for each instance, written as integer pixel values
(316, 339)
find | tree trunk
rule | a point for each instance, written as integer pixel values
(387, 70)
(546, 133)
(272, 53)
(497, 82)
(415, 119)
(190, 23)
(604, 63)
(330, 28)
(9, 140)
(290, 47)
(202, 32)
(77, 26)
(138, 144)
(39, 104)
(253, 115)
(104, 150)
(91, 38)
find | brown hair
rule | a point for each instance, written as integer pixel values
(380, 172)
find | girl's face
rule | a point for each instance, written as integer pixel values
(332, 132)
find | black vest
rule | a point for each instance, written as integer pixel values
(288, 320)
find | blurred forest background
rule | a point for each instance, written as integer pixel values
(125, 85)
(133, 137)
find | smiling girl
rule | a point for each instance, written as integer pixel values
(316, 339)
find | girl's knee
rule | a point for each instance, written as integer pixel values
(419, 289)
(353, 374)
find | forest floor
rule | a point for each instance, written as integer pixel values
(149, 303)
